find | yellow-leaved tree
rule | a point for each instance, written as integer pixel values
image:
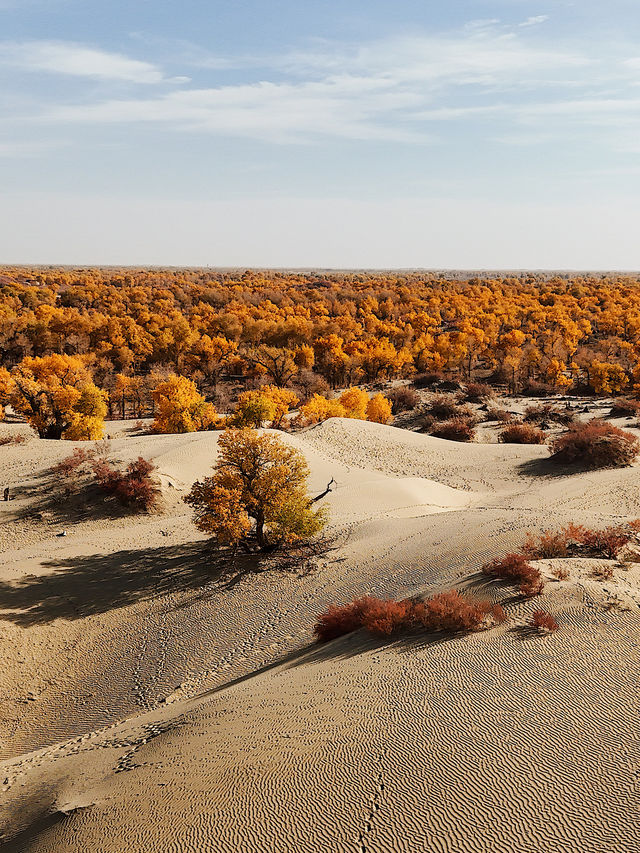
(268, 404)
(257, 497)
(181, 407)
(354, 401)
(379, 409)
(57, 397)
(319, 409)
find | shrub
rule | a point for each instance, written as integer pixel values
(319, 409)
(561, 574)
(546, 412)
(538, 389)
(133, 487)
(522, 434)
(595, 445)
(516, 570)
(543, 621)
(354, 401)
(426, 380)
(456, 429)
(603, 572)
(448, 611)
(444, 406)
(497, 414)
(70, 465)
(338, 620)
(11, 440)
(477, 391)
(402, 399)
(576, 539)
(624, 408)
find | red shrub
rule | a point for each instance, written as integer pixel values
(447, 611)
(608, 542)
(402, 399)
(450, 612)
(476, 391)
(133, 487)
(382, 616)
(443, 406)
(538, 389)
(497, 414)
(547, 412)
(624, 408)
(457, 429)
(522, 434)
(543, 621)
(595, 445)
(9, 440)
(515, 569)
(338, 620)
(69, 466)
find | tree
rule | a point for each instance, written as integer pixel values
(57, 397)
(379, 409)
(181, 407)
(268, 403)
(257, 495)
(354, 401)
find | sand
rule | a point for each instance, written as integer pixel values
(150, 702)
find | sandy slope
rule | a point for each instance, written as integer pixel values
(227, 731)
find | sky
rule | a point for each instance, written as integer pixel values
(324, 134)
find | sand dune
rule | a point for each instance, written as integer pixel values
(150, 703)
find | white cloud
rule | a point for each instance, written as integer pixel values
(534, 20)
(78, 61)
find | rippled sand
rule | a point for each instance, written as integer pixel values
(150, 704)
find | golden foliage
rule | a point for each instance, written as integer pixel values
(181, 408)
(257, 493)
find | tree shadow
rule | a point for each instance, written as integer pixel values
(76, 587)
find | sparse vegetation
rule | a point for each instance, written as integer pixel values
(447, 612)
(12, 440)
(495, 413)
(595, 444)
(576, 540)
(543, 622)
(624, 408)
(456, 429)
(134, 487)
(476, 392)
(516, 570)
(402, 399)
(522, 434)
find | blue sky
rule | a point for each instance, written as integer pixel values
(336, 134)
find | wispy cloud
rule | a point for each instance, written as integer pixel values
(77, 60)
(397, 89)
(534, 20)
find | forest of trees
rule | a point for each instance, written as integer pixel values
(113, 342)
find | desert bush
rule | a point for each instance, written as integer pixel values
(70, 465)
(496, 414)
(402, 399)
(448, 611)
(426, 380)
(624, 408)
(338, 620)
(516, 570)
(456, 429)
(134, 487)
(538, 389)
(603, 572)
(444, 406)
(595, 444)
(379, 409)
(477, 391)
(522, 434)
(12, 440)
(543, 621)
(546, 412)
(576, 539)
(560, 574)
